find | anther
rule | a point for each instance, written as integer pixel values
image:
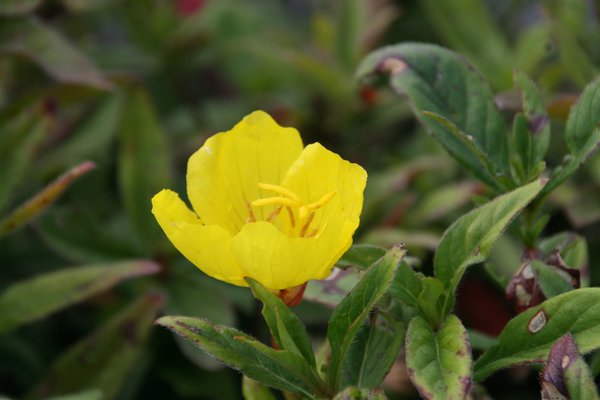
(279, 201)
(280, 190)
(322, 201)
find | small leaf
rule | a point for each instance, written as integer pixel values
(439, 363)
(105, 359)
(142, 145)
(37, 204)
(533, 141)
(351, 313)
(582, 133)
(280, 369)
(441, 82)
(38, 42)
(528, 337)
(361, 256)
(287, 330)
(469, 240)
(252, 390)
(566, 373)
(40, 296)
(374, 350)
(552, 280)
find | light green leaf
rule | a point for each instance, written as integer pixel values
(469, 240)
(252, 390)
(280, 369)
(37, 204)
(439, 81)
(439, 363)
(143, 165)
(286, 329)
(351, 313)
(528, 337)
(34, 40)
(106, 358)
(37, 297)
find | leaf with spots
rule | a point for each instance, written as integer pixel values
(439, 362)
(566, 374)
(529, 336)
(439, 81)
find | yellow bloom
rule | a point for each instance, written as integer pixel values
(264, 206)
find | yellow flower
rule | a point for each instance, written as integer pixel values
(264, 206)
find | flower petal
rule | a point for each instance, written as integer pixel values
(318, 172)
(277, 261)
(207, 247)
(223, 175)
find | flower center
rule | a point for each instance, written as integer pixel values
(300, 215)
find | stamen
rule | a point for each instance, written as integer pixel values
(321, 202)
(280, 190)
(274, 214)
(279, 201)
(251, 217)
(306, 224)
(303, 213)
(291, 214)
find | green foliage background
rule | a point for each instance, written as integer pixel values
(136, 86)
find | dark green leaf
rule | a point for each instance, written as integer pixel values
(440, 82)
(469, 240)
(34, 40)
(105, 359)
(37, 204)
(143, 164)
(531, 142)
(361, 256)
(528, 337)
(279, 369)
(430, 300)
(439, 362)
(19, 138)
(374, 350)
(37, 297)
(286, 329)
(406, 286)
(351, 313)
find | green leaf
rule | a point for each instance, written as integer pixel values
(374, 350)
(351, 313)
(286, 329)
(361, 256)
(143, 165)
(252, 390)
(37, 297)
(106, 358)
(528, 337)
(406, 286)
(552, 280)
(430, 300)
(469, 240)
(566, 375)
(582, 134)
(439, 363)
(19, 138)
(37, 204)
(34, 40)
(441, 82)
(280, 369)
(532, 142)
(13, 8)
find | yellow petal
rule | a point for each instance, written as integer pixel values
(207, 247)
(277, 261)
(319, 172)
(223, 176)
